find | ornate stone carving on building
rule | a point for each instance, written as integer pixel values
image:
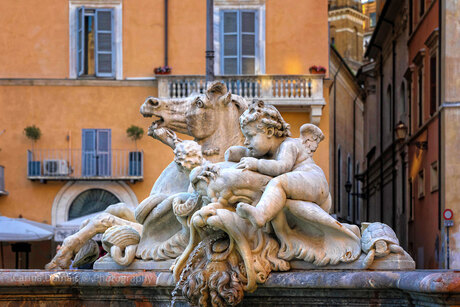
(240, 201)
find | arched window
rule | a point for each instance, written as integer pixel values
(389, 108)
(358, 199)
(332, 35)
(357, 47)
(91, 201)
(350, 196)
(402, 98)
(339, 180)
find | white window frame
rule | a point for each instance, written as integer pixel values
(260, 43)
(116, 5)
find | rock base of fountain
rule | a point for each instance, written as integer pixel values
(295, 288)
(392, 262)
(107, 264)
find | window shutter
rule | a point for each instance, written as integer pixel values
(105, 58)
(238, 37)
(248, 42)
(80, 40)
(230, 42)
(103, 152)
(88, 164)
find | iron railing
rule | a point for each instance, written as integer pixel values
(75, 164)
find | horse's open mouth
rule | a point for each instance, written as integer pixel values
(155, 125)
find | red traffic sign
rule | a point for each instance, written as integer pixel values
(448, 214)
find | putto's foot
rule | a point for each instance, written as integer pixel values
(251, 213)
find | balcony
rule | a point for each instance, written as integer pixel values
(2, 181)
(287, 92)
(75, 164)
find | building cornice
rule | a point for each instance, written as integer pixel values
(348, 11)
(76, 82)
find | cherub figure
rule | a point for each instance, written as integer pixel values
(270, 151)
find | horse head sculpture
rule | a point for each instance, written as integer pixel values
(211, 118)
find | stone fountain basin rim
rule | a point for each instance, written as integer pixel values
(424, 281)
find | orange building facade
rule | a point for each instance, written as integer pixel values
(80, 69)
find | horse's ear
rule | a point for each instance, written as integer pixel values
(240, 103)
(216, 88)
(225, 99)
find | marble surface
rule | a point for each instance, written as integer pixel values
(366, 288)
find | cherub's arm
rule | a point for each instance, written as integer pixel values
(283, 162)
(235, 153)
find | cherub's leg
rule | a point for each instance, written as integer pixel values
(269, 205)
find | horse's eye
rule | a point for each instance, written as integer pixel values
(199, 103)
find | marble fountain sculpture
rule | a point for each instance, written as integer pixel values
(241, 200)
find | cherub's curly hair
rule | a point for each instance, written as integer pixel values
(268, 116)
(188, 154)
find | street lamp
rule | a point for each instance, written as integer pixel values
(401, 131)
(348, 186)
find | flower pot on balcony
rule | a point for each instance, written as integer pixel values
(317, 70)
(34, 168)
(135, 163)
(162, 70)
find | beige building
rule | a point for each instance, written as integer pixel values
(346, 145)
(346, 30)
(369, 9)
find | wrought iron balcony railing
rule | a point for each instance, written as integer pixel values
(295, 92)
(75, 164)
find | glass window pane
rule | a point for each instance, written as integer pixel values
(230, 66)
(230, 22)
(248, 44)
(247, 21)
(248, 66)
(230, 45)
(91, 201)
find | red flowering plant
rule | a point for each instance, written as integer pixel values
(317, 69)
(162, 70)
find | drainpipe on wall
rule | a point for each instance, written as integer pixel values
(381, 136)
(335, 132)
(393, 137)
(209, 40)
(440, 121)
(166, 32)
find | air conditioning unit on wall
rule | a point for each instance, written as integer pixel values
(55, 167)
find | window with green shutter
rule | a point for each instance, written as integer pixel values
(238, 39)
(95, 42)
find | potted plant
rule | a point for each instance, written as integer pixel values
(162, 70)
(33, 133)
(317, 69)
(135, 133)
